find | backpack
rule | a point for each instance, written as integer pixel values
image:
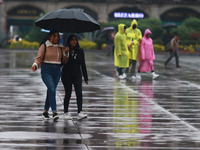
(168, 47)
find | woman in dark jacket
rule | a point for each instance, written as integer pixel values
(72, 73)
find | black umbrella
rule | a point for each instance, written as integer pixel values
(169, 25)
(108, 29)
(68, 20)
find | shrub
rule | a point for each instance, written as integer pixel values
(188, 42)
(153, 24)
(88, 45)
(190, 48)
(24, 45)
(158, 41)
(181, 47)
(197, 48)
(100, 42)
(184, 32)
(192, 23)
(103, 46)
(158, 48)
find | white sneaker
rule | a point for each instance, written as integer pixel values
(124, 75)
(133, 77)
(138, 76)
(81, 115)
(121, 77)
(154, 76)
(67, 116)
(116, 73)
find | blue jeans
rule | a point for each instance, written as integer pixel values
(50, 74)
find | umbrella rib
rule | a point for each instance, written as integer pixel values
(68, 20)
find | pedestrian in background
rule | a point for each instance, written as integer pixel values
(174, 46)
(133, 38)
(113, 43)
(109, 44)
(72, 73)
(121, 54)
(146, 55)
(166, 39)
(50, 56)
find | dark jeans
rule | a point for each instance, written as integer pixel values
(171, 56)
(77, 82)
(132, 63)
(119, 70)
(50, 74)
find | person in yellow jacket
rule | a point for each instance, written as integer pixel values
(121, 54)
(133, 38)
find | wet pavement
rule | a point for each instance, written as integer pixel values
(129, 114)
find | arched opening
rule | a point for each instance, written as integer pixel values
(21, 19)
(178, 15)
(127, 13)
(90, 12)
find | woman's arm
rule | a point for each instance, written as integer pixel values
(39, 59)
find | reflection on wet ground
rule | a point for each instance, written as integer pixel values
(130, 114)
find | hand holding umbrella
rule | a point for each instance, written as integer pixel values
(66, 49)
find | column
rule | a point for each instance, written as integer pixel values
(102, 12)
(154, 12)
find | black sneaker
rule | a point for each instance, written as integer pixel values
(55, 117)
(45, 115)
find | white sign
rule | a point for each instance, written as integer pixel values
(128, 15)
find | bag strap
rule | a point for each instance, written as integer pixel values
(44, 50)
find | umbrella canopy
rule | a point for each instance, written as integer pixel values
(169, 25)
(68, 20)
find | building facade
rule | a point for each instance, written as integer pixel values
(22, 13)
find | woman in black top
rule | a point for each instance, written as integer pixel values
(72, 73)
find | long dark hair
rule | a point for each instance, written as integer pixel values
(52, 32)
(70, 37)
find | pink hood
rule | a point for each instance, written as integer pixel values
(147, 31)
(146, 48)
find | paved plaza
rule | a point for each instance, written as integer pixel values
(162, 114)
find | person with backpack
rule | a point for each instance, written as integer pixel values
(50, 56)
(174, 47)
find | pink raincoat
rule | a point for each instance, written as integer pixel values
(146, 55)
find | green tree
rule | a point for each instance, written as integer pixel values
(189, 26)
(192, 23)
(35, 35)
(153, 24)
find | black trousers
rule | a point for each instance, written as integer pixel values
(132, 63)
(68, 82)
(172, 54)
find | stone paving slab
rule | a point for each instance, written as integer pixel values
(161, 114)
